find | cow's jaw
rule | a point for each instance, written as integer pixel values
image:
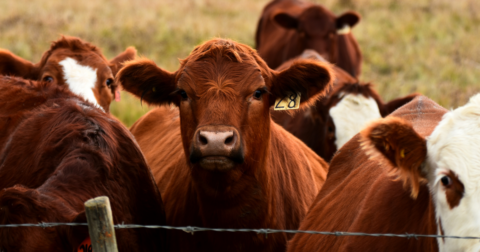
(351, 114)
(80, 79)
(453, 148)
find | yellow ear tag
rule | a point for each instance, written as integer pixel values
(402, 153)
(291, 101)
(344, 30)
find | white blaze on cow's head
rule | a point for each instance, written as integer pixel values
(74, 63)
(350, 107)
(80, 79)
(351, 114)
(448, 160)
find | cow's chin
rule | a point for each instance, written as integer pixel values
(217, 163)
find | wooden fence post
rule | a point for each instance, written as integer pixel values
(100, 224)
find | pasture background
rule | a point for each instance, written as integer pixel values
(426, 46)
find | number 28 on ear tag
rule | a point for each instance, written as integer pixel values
(291, 101)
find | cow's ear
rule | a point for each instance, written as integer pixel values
(117, 62)
(144, 79)
(286, 21)
(309, 78)
(395, 140)
(11, 64)
(397, 103)
(350, 18)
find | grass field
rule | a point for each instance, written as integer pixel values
(426, 46)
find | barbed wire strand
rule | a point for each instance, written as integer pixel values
(266, 231)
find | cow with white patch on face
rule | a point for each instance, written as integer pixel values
(448, 161)
(350, 107)
(74, 63)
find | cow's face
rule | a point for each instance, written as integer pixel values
(318, 28)
(350, 107)
(76, 64)
(448, 160)
(453, 174)
(224, 92)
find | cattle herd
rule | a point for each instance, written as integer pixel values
(215, 152)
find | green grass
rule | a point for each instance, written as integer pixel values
(426, 46)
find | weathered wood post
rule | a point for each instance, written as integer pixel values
(100, 224)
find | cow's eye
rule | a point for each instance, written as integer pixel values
(258, 94)
(48, 78)
(446, 181)
(109, 82)
(183, 94)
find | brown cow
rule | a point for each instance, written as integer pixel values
(218, 159)
(337, 117)
(74, 63)
(56, 152)
(287, 27)
(361, 195)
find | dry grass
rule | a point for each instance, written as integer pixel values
(427, 46)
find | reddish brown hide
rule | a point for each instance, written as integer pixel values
(287, 27)
(52, 68)
(258, 175)
(56, 152)
(361, 195)
(314, 125)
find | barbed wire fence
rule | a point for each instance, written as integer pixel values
(266, 231)
(102, 230)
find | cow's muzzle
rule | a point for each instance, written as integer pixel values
(217, 148)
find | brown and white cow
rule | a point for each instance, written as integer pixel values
(219, 159)
(75, 63)
(56, 152)
(287, 27)
(340, 115)
(447, 160)
(362, 195)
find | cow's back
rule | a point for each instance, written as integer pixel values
(66, 150)
(360, 196)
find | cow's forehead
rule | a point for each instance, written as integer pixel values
(455, 143)
(83, 57)
(221, 73)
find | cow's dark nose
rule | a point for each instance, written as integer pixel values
(216, 142)
(217, 148)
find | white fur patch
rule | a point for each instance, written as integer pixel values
(454, 146)
(80, 79)
(352, 114)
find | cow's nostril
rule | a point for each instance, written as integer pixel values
(203, 140)
(229, 140)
